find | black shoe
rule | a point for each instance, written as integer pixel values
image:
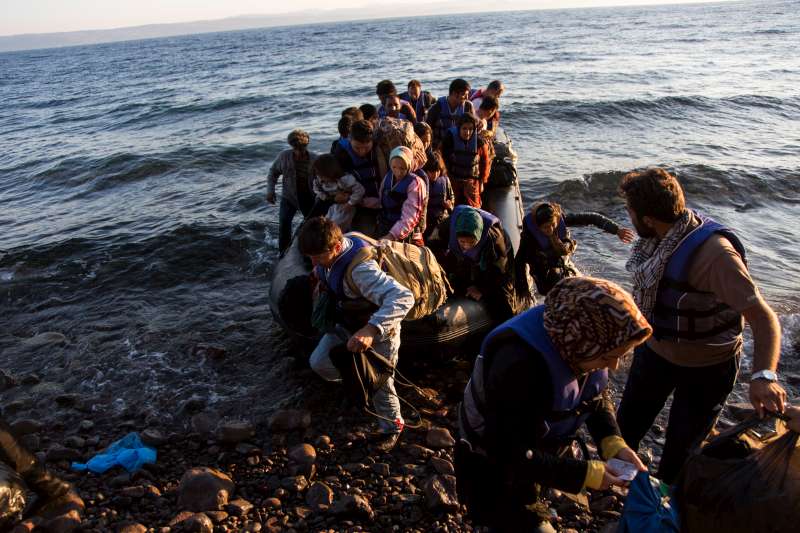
(384, 442)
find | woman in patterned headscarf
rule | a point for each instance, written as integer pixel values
(539, 378)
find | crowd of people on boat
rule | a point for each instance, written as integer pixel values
(420, 164)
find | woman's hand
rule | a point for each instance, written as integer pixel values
(626, 235)
(629, 456)
(610, 479)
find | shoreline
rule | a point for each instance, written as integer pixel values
(305, 469)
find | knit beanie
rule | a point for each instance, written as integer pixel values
(403, 153)
(587, 317)
(470, 222)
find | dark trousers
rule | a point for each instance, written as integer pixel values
(699, 394)
(286, 213)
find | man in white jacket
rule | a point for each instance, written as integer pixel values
(331, 253)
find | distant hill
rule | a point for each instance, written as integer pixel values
(34, 41)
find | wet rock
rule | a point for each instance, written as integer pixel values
(204, 489)
(418, 452)
(153, 437)
(194, 404)
(303, 454)
(131, 527)
(272, 503)
(567, 503)
(413, 470)
(353, 506)
(440, 438)
(198, 523)
(294, 483)
(239, 507)
(323, 442)
(74, 442)
(244, 448)
(60, 453)
(67, 400)
(440, 493)
(204, 423)
(290, 420)
(26, 426)
(235, 431)
(132, 492)
(64, 523)
(319, 495)
(606, 503)
(443, 466)
(48, 338)
(216, 516)
(382, 469)
(119, 481)
(180, 517)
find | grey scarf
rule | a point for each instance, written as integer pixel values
(649, 258)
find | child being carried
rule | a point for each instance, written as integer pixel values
(338, 194)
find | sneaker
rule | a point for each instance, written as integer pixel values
(384, 442)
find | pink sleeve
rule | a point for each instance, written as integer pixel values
(413, 210)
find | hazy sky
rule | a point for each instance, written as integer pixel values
(40, 16)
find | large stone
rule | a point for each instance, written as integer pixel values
(418, 452)
(26, 426)
(48, 338)
(440, 493)
(198, 523)
(440, 438)
(235, 431)
(239, 507)
(319, 495)
(153, 437)
(204, 489)
(353, 506)
(303, 454)
(204, 423)
(131, 527)
(443, 466)
(60, 453)
(294, 483)
(290, 420)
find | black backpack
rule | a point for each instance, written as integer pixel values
(504, 170)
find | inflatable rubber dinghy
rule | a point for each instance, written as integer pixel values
(457, 322)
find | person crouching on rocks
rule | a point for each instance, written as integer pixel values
(332, 253)
(539, 377)
(476, 252)
(546, 246)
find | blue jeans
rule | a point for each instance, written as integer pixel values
(286, 214)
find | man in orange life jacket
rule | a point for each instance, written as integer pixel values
(691, 282)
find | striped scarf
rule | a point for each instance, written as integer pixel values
(649, 258)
